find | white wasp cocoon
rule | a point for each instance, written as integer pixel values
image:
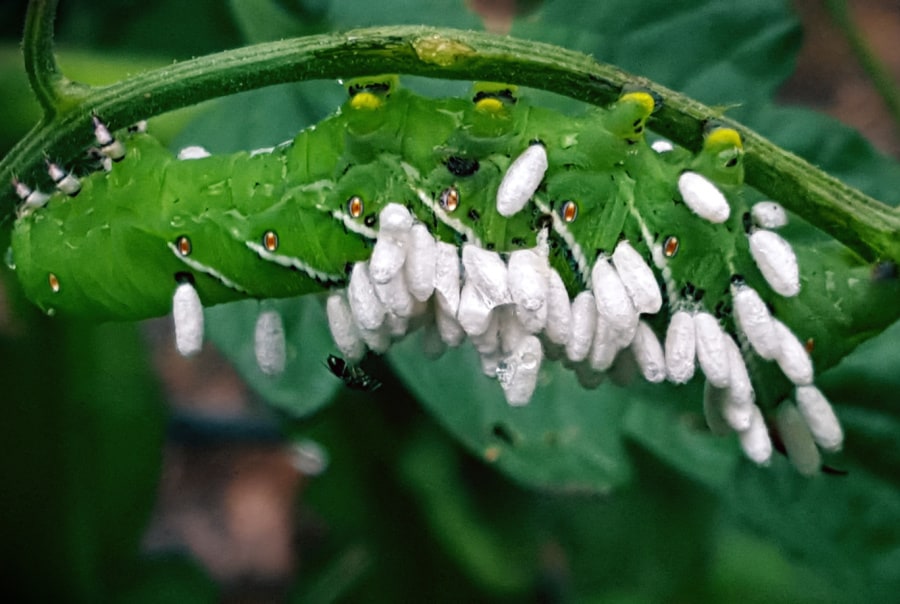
(711, 352)
(584, 322)
(379, 339)
(387, 258)
(681, 347)
(474, 314)
(820, 417)
(343, 328)
(613, 301)
(768, 215)
(604, 347)
(269, 342)
(488, 341)
(798, 442)
(755, 321)
(518, 373)
(187, 314)
(521, 180)
(528, 275)
(193, 152)
(714, 402)
(792, 356)
(703, 198)
(737, 402)
(648, 353)
(662, 146)
(776, 261)
(395, 219)
(389, 253)
(448, 327)
(397, 326)
(638, 278)
(512, 330)
(559, 310)
(740, 387)
(486, 274)
(395, 296)
(446, 277)
(421, 259)
(367, 309)
(755, 440)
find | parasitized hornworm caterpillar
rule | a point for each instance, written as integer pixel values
(533, 234)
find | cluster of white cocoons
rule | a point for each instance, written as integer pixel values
(515, 310)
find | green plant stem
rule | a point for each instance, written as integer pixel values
(860, 222)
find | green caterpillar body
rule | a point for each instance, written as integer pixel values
(643, 242)
(154, 217)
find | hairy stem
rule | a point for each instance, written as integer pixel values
(867, 226)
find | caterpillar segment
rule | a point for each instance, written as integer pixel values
(536, 236)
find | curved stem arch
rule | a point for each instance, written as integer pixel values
(862, 223)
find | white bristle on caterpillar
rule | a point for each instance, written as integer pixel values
(521, 180)
(33, 199)
(367, 309)
(792, 357)
(776, 261)
(109, 146)
(711, 351)
(613, 301)
(753, 318)
(269, 343)
(343, 327)
(820, 417)
(421, 260)
(798, 441)
(703, 197)
(648, 353)
(584, 321)
(768, 215)
(187, 315)
(681, 347)
(64, 181)
(638, 278)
